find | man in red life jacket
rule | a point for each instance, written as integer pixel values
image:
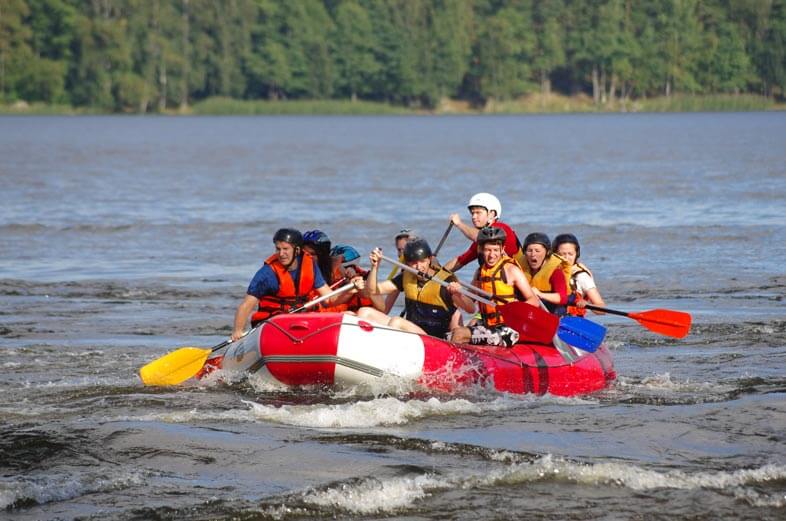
(283, 283)
(485, 210)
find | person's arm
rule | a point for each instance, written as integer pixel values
(346, 296)
(390, 300)
(244, 310)
(386, 287)
(470, 232)
(519, 281)
(512, 244)
(459, 299)
(263, 283)
(377, 302)
(462, 260)
(587, 286)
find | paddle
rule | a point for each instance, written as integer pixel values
(531, 324)
(664, 321)
(576, 331)
(444, 238)
(426, 276)
(180, 365)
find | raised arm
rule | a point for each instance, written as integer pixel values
(470, 232)
(375, 287)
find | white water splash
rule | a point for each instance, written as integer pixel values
(665, 383)
(384, 495)
(377, 412)
(372, 413)
(377, 496)
(61, 487)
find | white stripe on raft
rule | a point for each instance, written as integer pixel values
(394, 352)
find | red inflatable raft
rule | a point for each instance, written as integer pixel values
(341, 350)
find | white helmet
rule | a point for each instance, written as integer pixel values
(487, 201)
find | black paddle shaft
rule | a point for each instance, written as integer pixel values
(607, 310)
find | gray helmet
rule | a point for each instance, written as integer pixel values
(290, 235)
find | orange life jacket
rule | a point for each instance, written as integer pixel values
(288, 296)
(357, 300)
(494, 281)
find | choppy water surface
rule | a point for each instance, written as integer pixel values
(124, 238)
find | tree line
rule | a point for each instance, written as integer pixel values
(154, 55)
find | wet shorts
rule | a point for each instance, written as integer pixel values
(500, 335)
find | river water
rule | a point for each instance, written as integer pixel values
(124, 238)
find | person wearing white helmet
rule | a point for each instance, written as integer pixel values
(485, 210)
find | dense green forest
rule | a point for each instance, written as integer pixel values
(158, 55)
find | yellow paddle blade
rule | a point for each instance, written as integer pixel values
(175, 367)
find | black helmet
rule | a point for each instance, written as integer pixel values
(416, 249)
(491, 234)
(290, 235)
(567, 238)
(316, 237)
(537, 238)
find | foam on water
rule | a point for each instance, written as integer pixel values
(61, 487)
(664, 387)
(384, 495)
(371, 413)
(377, 495)
(387, 411)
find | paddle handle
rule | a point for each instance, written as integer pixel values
(607, 310)
(438, 281)
(311, 303)
(444, 238)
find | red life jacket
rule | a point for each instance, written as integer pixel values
(288, 297)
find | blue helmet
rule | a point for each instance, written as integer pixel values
(350, 254)
(315, 237)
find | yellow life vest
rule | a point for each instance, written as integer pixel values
(493, 280)
(521, 259)
(540, 279)
(429, 293)
(424, 304)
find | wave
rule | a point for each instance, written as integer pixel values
(386, 495)
(27, 491)
(377, 412)
(663, 389)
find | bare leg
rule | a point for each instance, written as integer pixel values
(405, 325)
(461, 335)
(373, 315)
(456, 320)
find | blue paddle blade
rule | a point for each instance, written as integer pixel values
(582, 333)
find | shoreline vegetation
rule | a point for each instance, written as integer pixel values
(530, 104)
